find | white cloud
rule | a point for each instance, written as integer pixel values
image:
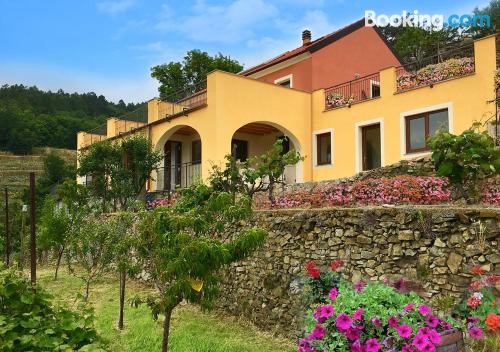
(114, 7)
(130, 89)
(216, 23)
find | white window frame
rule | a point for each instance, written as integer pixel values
(284, 79)
(358, 140)
(402, 126)
(315, 148)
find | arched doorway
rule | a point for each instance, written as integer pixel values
(258, 137)
(181, 163)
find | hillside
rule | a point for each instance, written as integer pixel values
(30, 117)
(15, 169)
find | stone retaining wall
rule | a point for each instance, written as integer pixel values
(435, 246)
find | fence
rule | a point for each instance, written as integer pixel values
(359, 89)
(189, 98)
(132, 120)
(177, 176)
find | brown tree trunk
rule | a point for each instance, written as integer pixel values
(123, 279)
(166, 329)
(59, 257)
(87, 288)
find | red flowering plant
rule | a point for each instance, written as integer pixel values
(478, 308)
(370, 318)
(318, 283)
(161, 202)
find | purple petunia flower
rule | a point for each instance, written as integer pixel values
(352, 334)
(406, 348)
(423, 309)
(318, 333)
(392, 321)
(372, 345)
(432, 321)
(356, 346)
(408, 307)
(376, 322)
(476, 333)
(334, 293)
(359, 286)
(343, 322)
(419, 341)
(404, 331)
(358, 314)
(428, 347)
(327, 311)
(435, 337)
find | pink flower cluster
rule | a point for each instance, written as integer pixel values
(162, 202)
(335, 100)
(491, 194)
(434, 73)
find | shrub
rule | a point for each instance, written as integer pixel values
(30, 322)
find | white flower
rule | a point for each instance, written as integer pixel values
(478, 295)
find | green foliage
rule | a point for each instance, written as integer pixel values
(29, 321)
(492, 10)
(180, 250)
(467, 157)
(54, 226)
(257, 174)
(119, 170)
(187, 75)
(316, 290)
(30, 117)
(91, 250)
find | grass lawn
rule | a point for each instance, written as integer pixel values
(191, 330)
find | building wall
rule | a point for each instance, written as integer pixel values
(301, 74)
(465, 97)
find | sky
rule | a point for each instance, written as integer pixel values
(109, 46)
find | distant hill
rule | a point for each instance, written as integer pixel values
(30, 117)
(15, 169)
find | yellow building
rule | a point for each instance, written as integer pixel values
(375, 119)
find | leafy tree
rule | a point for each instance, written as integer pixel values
(260, 173)
(31, 322)
(191, 72)
(492, 10)
(465, 158)
(91, 251)
(180, 250)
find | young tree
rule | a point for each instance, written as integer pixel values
(91, 251)
(189, 74)
(180, 250)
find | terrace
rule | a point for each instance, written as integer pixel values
(448, 64)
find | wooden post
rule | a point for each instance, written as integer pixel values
(33, 228)
(7, 233)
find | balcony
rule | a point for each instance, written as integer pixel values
(355, 91)
(184, 100)
(177, 176)
(453, 63)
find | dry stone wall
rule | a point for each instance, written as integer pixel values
(434, 246)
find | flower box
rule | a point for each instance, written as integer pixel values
(451, 341)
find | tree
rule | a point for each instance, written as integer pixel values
(187, 75)
(180, 250)
(492, 10)
(92, 249)
(119, 170)
(260, 173)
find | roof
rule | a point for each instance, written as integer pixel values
(311, 47)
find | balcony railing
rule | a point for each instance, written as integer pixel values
(452, 63)
(132, 120)
(183, 100)
(177, 176)
(94, 135)
(359, 89)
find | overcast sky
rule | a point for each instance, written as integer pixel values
(109, 46)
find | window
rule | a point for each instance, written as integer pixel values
(239, 149)
(421, 126)
(324, 148)
(375, 89)
(286, 81)
(196, 152)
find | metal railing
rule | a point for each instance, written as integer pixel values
(95, 134)
(132, 120)
(186, 99)
(177, 176)
(411, 75)
(359, 89)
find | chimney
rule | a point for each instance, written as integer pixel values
(306, 37)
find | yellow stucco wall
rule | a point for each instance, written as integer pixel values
(234, 101)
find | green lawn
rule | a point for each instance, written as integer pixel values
(192, 330)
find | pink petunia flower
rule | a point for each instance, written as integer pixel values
(327, 311)
(376, 322)
(358, 314)
(476, 333)
(372, 345)
(419, 341)
(359, 286)
(424, 309)
(432, 321)
(318, 333)
(352, 334)
(343, 322)
(333, 294)
(392, 321)
(404, 331)
(408, 307)
(406, 348)
(435, 337)
(428, 347)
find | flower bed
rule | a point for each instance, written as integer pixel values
(380, 317)
(435, 73)
(335, 100)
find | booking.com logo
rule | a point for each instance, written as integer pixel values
(434, 22)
